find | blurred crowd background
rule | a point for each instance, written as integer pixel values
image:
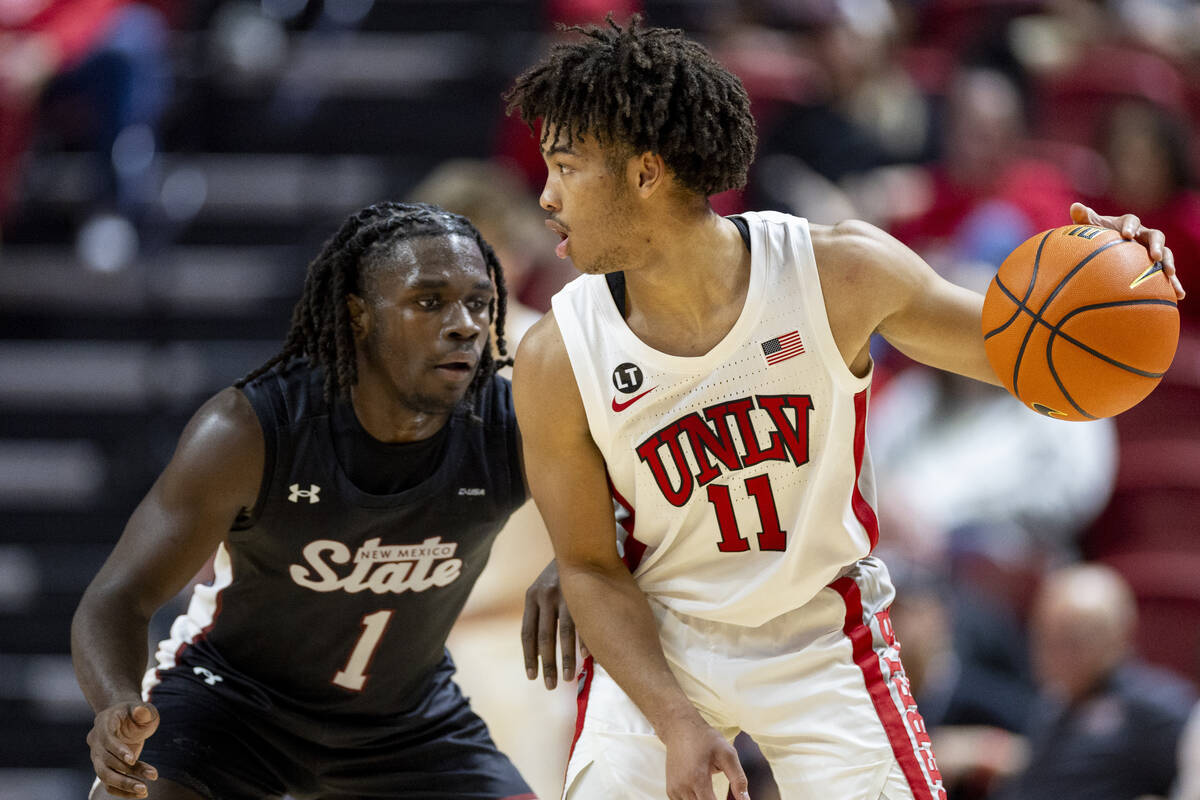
(168, 168)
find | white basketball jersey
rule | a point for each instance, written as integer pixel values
(741, 476)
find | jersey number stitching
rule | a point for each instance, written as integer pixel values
(770, 537)
(354, 675)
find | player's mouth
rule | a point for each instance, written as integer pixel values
(564, 235)
(457, 367)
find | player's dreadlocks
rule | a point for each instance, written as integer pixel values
(321, 319)
(646, 89)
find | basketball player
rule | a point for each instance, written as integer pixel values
(710, 376)
(351, 488)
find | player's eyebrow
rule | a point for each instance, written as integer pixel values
(559, 148)
(441, 283)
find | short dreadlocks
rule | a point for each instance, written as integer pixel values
(321, 319)
(647, 89)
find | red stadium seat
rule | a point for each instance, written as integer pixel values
(1168, 599)
(1070, 104)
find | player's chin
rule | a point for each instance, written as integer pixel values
(443, 393)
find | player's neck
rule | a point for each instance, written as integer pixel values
(388, 420)
(692, 286)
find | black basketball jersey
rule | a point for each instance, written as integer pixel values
(330, 600)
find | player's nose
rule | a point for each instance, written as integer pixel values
(460, 323)
(548, 199)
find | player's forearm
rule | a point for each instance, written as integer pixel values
(612, 616)
(108, 649)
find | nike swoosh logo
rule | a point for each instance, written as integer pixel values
(622, 406)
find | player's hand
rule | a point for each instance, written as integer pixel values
(116, 741)
(696, 752)
(1131, 227)
(546, 611)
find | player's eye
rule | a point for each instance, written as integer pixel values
(429, 303)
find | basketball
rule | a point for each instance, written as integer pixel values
(1079, 323)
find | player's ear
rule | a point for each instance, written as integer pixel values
(360, 320)
(647, 172)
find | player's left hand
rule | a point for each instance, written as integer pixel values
(1131, 227)
(545, 611)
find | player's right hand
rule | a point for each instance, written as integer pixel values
(116, 740)
(545, 611)
(696, 752)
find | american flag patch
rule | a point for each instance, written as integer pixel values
(781, 348)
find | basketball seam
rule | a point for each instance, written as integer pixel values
(1054, 293)
(1055, 330)
(1057, 380)
(1037, 259)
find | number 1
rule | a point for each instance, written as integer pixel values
(771, 537)
(354, 674)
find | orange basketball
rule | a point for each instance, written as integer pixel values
(1079, 324)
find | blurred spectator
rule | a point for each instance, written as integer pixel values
(965, 657)
(1108, 726)
(1187, 787)
(858, 110)
(505, 212)
(986, 196)
(964, 654)
(1151, 175)
(953, 488)
(105, 60)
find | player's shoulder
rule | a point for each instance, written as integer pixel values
(861, 258)
(226, 415)
(221, 450)
(849, 241)
(541, 347)
(542, 373)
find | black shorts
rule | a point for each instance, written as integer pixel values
(225, 747)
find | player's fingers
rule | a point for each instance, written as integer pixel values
(1168, 262)
(566, 637)
(547, 642)
(739, 785)
(106, 740)
(117, 776)
(138, 769)
(1129, 224)
(1081, 214)
(1154, 240)
(139, 724)
(529, 627)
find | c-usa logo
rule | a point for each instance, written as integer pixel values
(311, 493)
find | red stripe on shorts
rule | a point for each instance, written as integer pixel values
(862, 509)
(867, 659)
(581, 701)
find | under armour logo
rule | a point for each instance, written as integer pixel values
(311, 493)
(209, 677)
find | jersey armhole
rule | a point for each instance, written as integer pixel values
(265, 405)
(814, 301)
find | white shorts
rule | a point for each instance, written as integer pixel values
(819, 689)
